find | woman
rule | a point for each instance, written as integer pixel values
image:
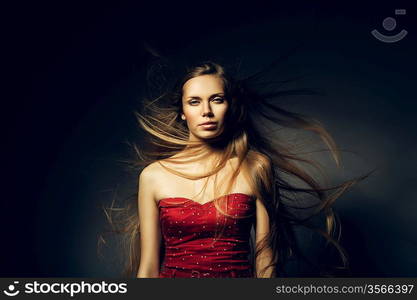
(192, 249)
(213, 174)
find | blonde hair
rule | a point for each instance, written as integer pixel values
(261, 157)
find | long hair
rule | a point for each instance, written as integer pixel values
(270, 163)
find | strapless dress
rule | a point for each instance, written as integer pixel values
(192, 250)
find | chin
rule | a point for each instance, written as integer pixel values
(210, 135)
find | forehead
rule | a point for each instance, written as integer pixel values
(204, 85)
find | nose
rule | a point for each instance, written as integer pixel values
(206, 109)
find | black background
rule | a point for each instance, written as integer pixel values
(73, 75)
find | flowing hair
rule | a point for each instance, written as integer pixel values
(269, 163)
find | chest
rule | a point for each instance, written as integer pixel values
(201, 190)
(184, 219)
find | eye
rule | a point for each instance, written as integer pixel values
(218, 99)
(193, 102)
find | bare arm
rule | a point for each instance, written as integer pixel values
(260, 169)
(261, 230)
(150, 234)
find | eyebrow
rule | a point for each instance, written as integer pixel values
(196, 97)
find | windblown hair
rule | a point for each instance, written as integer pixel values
(268, 162)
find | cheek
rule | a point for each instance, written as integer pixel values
(222, 113)
(191, 116)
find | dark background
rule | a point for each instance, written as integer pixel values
(74, 75)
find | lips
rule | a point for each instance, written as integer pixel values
(209, 126)
(208, 123)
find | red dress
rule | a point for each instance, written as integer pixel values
(188, 229)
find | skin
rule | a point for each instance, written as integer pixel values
(203, 100)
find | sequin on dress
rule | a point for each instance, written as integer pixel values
(188, 229)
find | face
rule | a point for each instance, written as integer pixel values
(204, 101)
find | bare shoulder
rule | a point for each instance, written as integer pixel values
(258, 158)
(148, 180)
(259, 162)
(153, 172)
(150, 171)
